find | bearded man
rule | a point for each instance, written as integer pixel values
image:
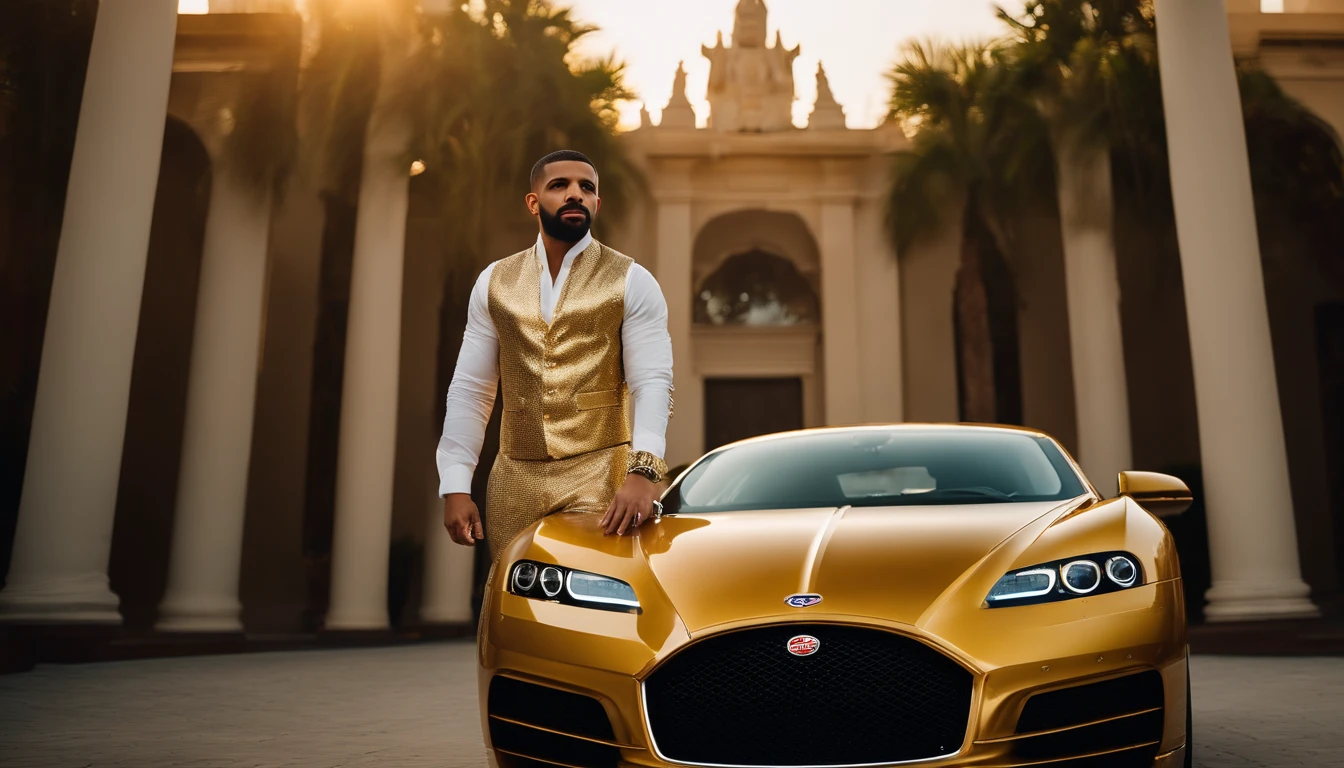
(572, 332)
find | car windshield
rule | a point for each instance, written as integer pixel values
(877, 467)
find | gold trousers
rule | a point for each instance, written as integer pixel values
(522, 492)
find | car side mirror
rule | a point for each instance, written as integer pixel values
(1163, 495)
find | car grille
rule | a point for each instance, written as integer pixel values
(1115, 722)
(864, 696)
(535, 725)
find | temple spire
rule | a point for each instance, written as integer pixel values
(678, 113)
(827, 114)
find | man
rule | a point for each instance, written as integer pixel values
(572, 331)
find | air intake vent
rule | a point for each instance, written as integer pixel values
(1123, 716)
(550, 725)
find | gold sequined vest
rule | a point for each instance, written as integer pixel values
(563, 385)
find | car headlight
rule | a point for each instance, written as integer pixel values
(1066, 579)
(542, 581)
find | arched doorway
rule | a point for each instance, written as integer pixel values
(156, 412)
(757, 321)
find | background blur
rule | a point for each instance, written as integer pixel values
(235, 249)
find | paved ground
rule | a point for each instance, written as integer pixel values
(415, 706)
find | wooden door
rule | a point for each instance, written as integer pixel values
(740, 408)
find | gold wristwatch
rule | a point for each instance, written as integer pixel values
(648, 465)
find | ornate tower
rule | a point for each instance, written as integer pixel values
(750, 83)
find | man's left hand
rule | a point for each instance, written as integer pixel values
(632, 506)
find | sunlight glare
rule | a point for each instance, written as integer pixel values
(193, 6)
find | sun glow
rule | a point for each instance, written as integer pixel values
(193, 6)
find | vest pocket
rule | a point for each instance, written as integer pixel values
(607, 398)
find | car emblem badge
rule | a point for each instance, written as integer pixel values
(803, 645)
(803, 600)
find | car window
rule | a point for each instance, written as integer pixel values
(877, 467)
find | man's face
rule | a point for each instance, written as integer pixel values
(565, 200)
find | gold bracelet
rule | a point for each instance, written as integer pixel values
(643, 461)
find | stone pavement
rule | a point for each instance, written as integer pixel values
(412, 706)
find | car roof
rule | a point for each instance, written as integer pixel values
(900, 427)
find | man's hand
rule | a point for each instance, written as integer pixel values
(632, 506)
(462, 519)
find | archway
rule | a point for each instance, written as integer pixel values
(757, 321)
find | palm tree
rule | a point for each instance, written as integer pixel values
(975, 145)
(1077, 61)
(517, 94)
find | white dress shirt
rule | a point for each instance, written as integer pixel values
(646, 352)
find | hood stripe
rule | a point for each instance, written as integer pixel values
(812, 563)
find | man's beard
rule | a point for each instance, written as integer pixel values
(554, 226)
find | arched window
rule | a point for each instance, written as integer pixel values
(756, 289)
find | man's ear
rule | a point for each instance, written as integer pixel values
(532, 202)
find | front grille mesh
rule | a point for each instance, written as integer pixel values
(865, 696)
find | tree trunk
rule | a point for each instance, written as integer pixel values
(1101, 394)
(975, 347)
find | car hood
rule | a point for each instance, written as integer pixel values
(888, 563)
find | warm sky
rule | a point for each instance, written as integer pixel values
(857, 40)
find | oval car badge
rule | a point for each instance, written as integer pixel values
(803, 645)
(803, 600)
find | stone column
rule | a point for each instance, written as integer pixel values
(1092, 293)
(1252, 538)
(207, 548)
(64, 534)
(367, 453)
(879, 305)
(840, 312)
(686, 429)
(449, 572)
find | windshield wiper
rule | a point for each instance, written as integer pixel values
(979, 490)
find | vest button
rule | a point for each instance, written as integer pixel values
(546, 417)
(550, 391)
(550, 363)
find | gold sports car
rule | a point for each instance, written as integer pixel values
(949, 595)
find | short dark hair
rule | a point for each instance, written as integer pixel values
(558, 156)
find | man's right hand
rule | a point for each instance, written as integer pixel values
(462, 519)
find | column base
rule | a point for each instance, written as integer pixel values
(77, 601)
(354, 622)
(1240, 601)
(182, 613)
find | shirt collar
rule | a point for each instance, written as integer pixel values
(569, 256)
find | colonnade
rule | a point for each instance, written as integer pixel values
(62, 543)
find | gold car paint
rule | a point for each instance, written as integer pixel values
(732, 570)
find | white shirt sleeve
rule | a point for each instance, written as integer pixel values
(647, 352)
(471, 395)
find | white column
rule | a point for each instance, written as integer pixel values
(64, 534)
(449, 572)
(879, 304)
(840, 313)
(1096, 341)
(1252, 538)
(207, 548)
(686, 429)
(364, 470)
